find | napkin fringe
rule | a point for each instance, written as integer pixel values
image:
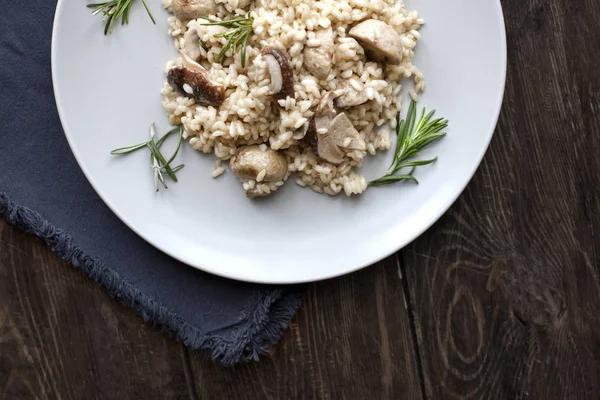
(262, 327)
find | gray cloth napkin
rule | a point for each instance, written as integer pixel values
(43, 191)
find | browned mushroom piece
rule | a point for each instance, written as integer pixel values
(381, 42)
(351, 96)
(311, 135)
(339, 135)
(281, 71)
(187, 10)
(250, 162)
(317, 60)
(192, 80)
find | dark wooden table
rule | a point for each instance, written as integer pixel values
(499, 300)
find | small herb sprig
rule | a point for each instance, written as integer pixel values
(160, 165)
(413, 136)
(238, 35)
(113, 10)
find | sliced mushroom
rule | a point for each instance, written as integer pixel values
(311, 135)
(192, 43)
(320, 120)
(250, 161)
(192, 80)
(317, 125)
(317, 60)
(351, 96)
(322, 123)
(187, 10)
(282, 74)
(340, 135)
(381, 42)
(324, 113)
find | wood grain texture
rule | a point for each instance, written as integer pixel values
(351, 340)
(62, 337)
(505, 288)
(500, 299)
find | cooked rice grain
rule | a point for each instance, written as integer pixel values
(249, 116)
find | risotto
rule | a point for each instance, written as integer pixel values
(309, 90)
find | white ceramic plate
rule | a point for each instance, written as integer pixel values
(108, 91)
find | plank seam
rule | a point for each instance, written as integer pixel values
(413, 326)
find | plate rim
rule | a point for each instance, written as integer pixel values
(433, 218)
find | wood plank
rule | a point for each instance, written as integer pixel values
(350, 340)
(505, 288)
(63, 337)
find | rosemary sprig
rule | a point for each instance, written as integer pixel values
(114, 9)
(157, 173)
(412, 136)
(238, 35)
(159, 164)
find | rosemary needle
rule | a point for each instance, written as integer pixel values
(238, 35)
(113, 10)
(412, 136)
(161, 159)
(128, 149)
(154, 161)
(160, 165)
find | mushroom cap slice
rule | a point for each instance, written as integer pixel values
(192, 80)
(381, 42)
(187, 10)
(330, 144)
(282, 73)
(311, 135)
(251, 160)
(197, 85)
(317, 60)
(320, 120)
